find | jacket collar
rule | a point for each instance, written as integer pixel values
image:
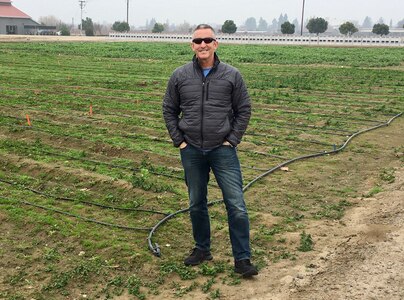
(215, 63)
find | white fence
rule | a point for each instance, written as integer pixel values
(270, 40)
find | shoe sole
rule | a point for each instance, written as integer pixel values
(199, 262)
(248, 274)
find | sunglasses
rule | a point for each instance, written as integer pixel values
(200, 40)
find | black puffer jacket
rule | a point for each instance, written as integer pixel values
(206, 111)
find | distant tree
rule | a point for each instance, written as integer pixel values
(288, 28)
(282, 19)
(49, 21)
(150, 25)
(381, 21)
(381, 29)
(400, 24)
(158, 27)
(120, 26)
(262, 25)
(296, 23)
(348, 28)
(274, 26)
(98, 28)
(168, 26)
(367, 23)
(88, 27)
(317, 25)
(184, 27)
(229, 27)
(251, 24)
(64, 30)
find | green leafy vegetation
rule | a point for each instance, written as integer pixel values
(305, 100)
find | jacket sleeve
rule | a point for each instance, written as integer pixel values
(171, 111)
(241, 106)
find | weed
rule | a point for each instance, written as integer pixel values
(185, 273)
(58, 281)
(373, 191)
(212, 270)
(17, 279)
(332, 210)
(388, 175)
(180, 291)
(207, 285)
(134, 284)
(51, 254)
(215, 294)
(306, 242)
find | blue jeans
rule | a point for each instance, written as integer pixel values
(226, 167)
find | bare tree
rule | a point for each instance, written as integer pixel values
(184, 27)
(49, 21)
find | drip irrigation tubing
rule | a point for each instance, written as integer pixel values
(167, 141)
(97, 162)
(266, 135)
(338, 116)
(155, 249)
(81, 201)
(75, 216)
(137, 169)
(328, 130)
(281, 146)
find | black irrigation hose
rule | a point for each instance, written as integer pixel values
(156, 249)
(76, 216)
(82, 201)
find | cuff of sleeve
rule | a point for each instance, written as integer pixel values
(176, 144)
(232, 140)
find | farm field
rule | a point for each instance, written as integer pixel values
(87, 167)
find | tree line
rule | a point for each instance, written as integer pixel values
(314, 26)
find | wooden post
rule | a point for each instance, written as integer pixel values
(28, 120)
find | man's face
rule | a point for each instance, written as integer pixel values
(204, 51)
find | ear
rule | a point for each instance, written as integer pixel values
(216, 44)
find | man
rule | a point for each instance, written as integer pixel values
(206, 109)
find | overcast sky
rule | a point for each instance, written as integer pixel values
(213, 11)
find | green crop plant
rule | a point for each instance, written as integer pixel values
(306, 242)
(304, 100)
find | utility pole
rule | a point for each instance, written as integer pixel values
(301, 25)
(127, 11)
(82, 3)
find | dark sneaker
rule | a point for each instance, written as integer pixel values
(245, 268)
(197, 257)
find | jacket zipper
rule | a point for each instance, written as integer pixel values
(202, 109)
(205, 88)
